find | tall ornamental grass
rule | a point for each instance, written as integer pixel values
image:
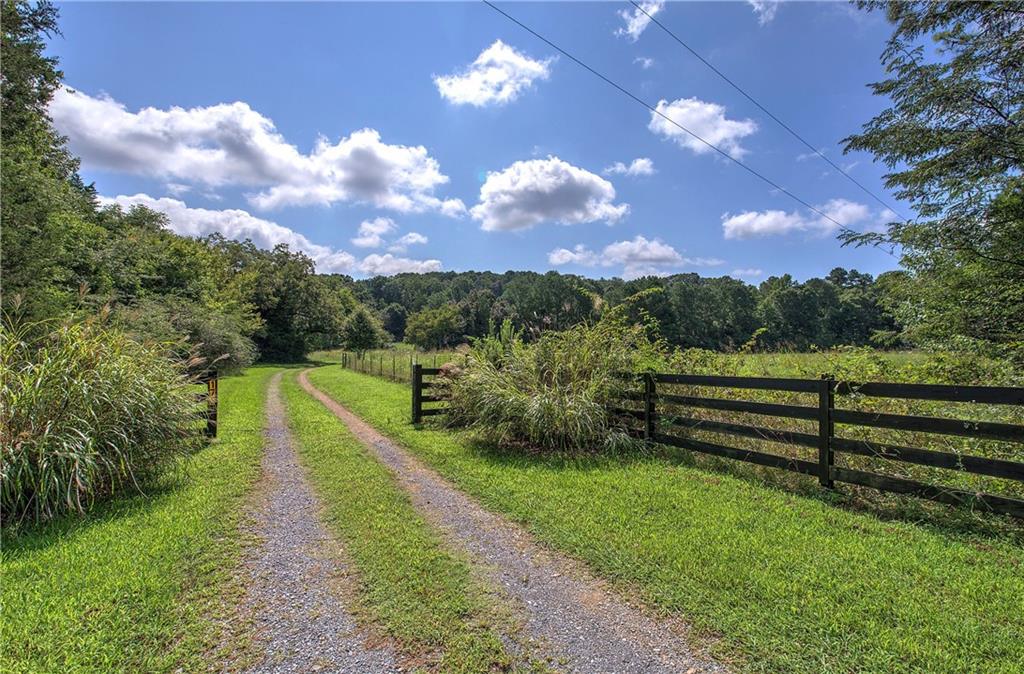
(86, 411)
(552, 394)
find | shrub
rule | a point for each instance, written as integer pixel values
(216, 337)
(86, 411)
(552, 394)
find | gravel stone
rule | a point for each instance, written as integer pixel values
(298, 572)
(571, 617)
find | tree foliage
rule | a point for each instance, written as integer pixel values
(687, 310)
(953, 138)
(362, 331)
(435, 328)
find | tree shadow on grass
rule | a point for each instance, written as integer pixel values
(960, 524)
(127, 502)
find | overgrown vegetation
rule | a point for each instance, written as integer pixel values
(137, 584)
(785, 582)
(555, 392)
(423, 597)
(86, 411)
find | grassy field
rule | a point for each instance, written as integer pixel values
(127, 588)
(394, 364)
(786, 582)
(412, 588)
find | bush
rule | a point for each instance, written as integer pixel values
(362, 331)
(552, 394)
(86, 411)
(217, 339)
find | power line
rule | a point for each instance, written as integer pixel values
(654, 110)
(762, 108)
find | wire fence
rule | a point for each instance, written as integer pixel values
(394, 365)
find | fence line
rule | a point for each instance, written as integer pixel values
(663, 425)
(391, 365)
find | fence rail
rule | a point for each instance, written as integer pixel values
(663, 423)
(418, 397)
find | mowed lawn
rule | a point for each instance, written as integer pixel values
(130, 586)
(777, 581)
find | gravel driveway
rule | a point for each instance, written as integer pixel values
(569, 615)
(298, 575)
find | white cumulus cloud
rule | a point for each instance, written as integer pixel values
(751, 224)
(765, 10)
(232, 144)
(528, 193)
(236, 224)
(580, 255)
(641, 166)
(388, 265)
(371, 232)
(750, 272)
(636, 21)
(704, 119)
(498, 75)
(645, 62)
(240, 225)
(409, 239)
(639, 256)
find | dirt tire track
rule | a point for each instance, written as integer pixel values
(297, 574)
(566, 611)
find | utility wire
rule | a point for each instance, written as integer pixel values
(762, 108)
(654, 110)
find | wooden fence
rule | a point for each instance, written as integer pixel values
(419, 396)
(667, 417)
(211, 380)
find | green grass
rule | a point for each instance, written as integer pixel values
(394, 363)
(416, 591)
(788, 582)
(129, 587)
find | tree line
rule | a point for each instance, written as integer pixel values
(442, 309)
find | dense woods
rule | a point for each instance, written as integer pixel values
(441, 309)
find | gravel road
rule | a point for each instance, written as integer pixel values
(298, 574)
(569, 615)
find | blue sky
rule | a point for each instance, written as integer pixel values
(364, 134)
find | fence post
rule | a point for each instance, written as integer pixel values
(417, 393)
(211, 404)
(649, 392)
(826, 403)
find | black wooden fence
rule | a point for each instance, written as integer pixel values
(422, 393)
(663, 426)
